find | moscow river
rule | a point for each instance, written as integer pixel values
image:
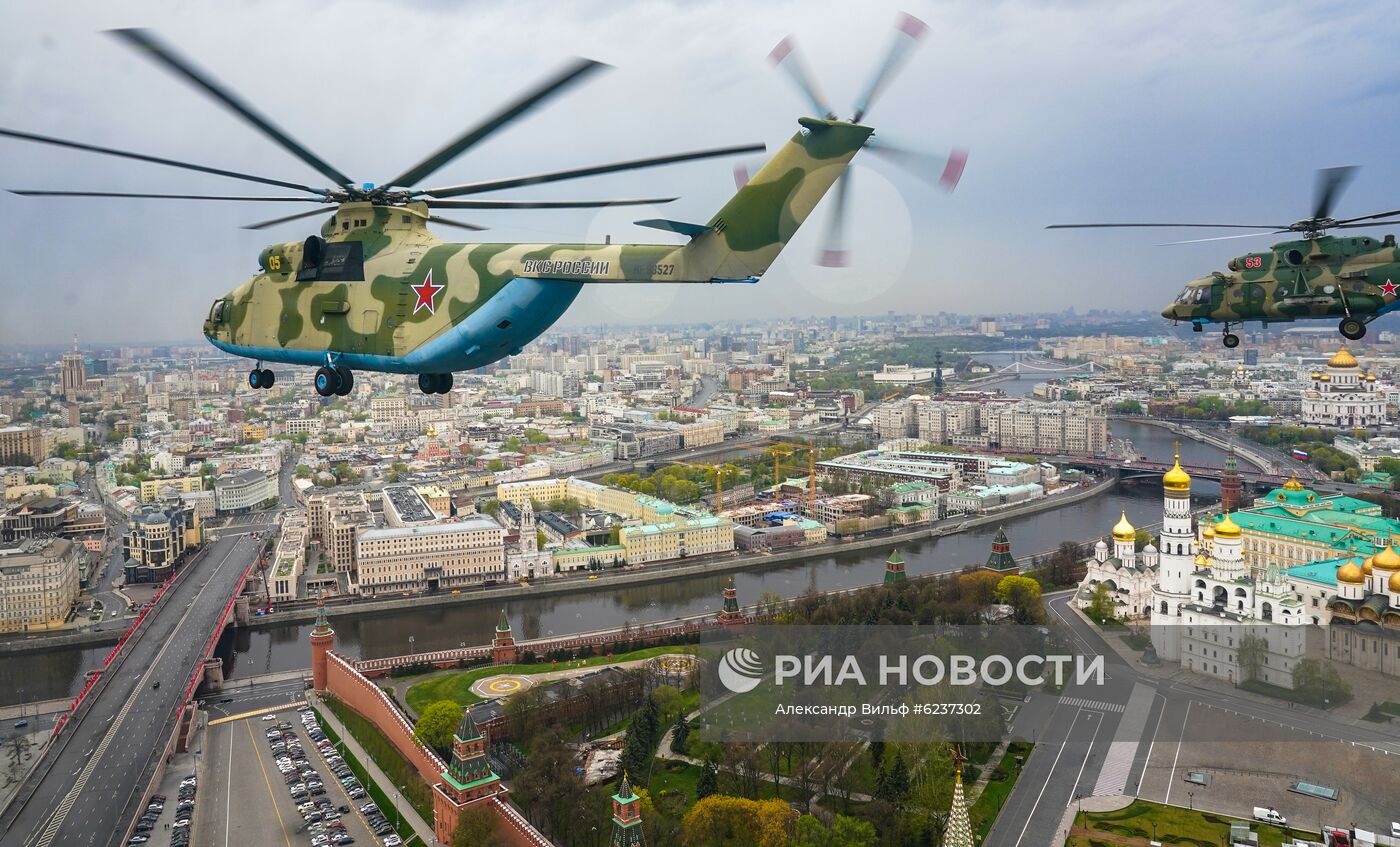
(35, 676)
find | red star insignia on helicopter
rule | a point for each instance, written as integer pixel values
(1389, 288)
(426, 292)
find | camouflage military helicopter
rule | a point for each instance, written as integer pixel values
(1315, 277)
(376, 290)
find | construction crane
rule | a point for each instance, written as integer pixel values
(780, 452)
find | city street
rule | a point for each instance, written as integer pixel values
(1140, 735)
(82, 793)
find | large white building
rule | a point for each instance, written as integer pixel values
(1127, 573)
(241, 491)
(1207, 601)
(39, 583)
(430, 557)
(1344, 396)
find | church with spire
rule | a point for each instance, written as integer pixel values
(1127, 573)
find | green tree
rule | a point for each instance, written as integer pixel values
(708, 783)
(844, 832)
(1101, 607)
(1252, 650)
(1023, 594)
(1320, 682)
(436, 724)
(1127, 407)
(476, 827)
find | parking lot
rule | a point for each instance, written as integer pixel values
(255, 766)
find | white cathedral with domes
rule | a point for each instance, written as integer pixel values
(1344, 396)
(1128, 574)
(1202, 598)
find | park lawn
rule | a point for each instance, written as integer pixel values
(1181, 826)
(983, 813)
(670, 778)
(457, 686)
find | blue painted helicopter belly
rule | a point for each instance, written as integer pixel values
(514, 317)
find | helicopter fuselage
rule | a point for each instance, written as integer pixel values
(378, 291)
(1355, 279)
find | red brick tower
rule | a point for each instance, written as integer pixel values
(730, 615)
(1231, 486)
(627, 820)
(322, 639)
(503, 645)
(468, 779)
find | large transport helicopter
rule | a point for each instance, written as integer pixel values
(376, 290)
(1315, 277)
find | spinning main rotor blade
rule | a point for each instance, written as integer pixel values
(576, 173)
(944, 171)
(1283, 227)
(543, 204)
(459, 224)
(146, 41)
(786, 57)
(908, 31)
(1330, 184)
(1366, 224)
(571, 73)
(276, 221)
(1219, 238)
(834, 254)
(157, 160)
(28, 192)
(1368, 217)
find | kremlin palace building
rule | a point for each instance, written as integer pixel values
(1313, 575)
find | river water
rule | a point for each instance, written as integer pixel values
(60, 673)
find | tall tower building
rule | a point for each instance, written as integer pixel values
(894, 568)
(503, 644)
(1176, 561)
(322, 639)
(627, 819)
(467, 780)
(1230, 485)
(1001, 560)
(730, 614)
(958, 831)
(72, 376)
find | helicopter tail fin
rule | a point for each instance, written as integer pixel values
(745, 236)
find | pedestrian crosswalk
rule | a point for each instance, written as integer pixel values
(1118, 761)
(1096, 705)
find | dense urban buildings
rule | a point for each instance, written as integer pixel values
(38, 583)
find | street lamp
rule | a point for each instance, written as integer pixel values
(398, 821)
(1190, 800)
(410, 645)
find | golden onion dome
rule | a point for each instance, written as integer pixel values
(1227, 528)
(1387, 559)
(1208, 531)
(1394, 583)
(1325, 378)
(1293, 484)
(1124, 531)
(1176, 479)
(1370, 377)
(1317, 374)
(1350, 574)
(1366, 566)
(1201, 560)
(1343, 359)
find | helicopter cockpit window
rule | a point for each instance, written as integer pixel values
(216, 311)
(1194, 296)
(343, 261)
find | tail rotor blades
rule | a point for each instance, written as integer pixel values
(944, 171)
(834, 254)
(908, 31)
(785, 56)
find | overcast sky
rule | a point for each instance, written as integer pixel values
(1072, 111)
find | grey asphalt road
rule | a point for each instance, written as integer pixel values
(1074, 746)
(101, 761)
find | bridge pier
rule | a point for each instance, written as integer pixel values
(213, 674)
(241, 613)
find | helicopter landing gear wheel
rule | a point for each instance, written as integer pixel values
(261, 378)
(1351, 329)
(444, 383)
(326, 381)
(425, 383)
(345, 381)
(1231, 340)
